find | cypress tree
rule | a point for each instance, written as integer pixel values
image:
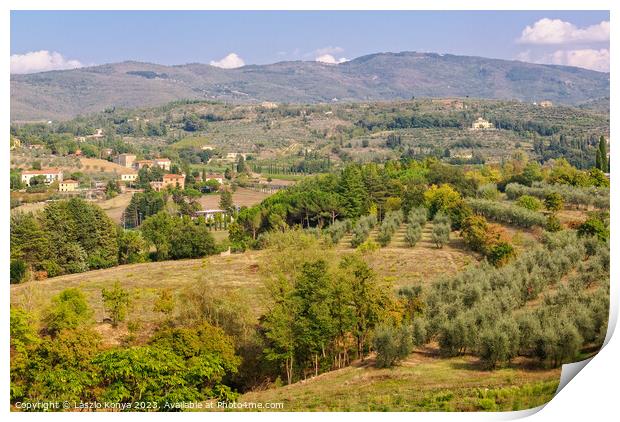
(602, 147)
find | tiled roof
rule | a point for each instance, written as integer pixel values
(43, 171)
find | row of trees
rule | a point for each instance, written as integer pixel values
(357, 191)
(322, 310)
(66, 237)
(73, 236)
(463, 311)
(578, 196)
(507, 213)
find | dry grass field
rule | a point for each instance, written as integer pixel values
(96, 165)
(235, 273)
(423, 263)
(242, 197)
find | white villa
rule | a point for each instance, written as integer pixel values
(51, 175)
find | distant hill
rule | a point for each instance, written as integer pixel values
(384, 76)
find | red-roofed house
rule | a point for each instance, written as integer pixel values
(51, 175)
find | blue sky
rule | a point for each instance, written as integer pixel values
(43, 40)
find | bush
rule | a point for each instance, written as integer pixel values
(500, 253)
(594, 226)
(553, 224)
(69, 310)
(19, 269)
(115, 302)
(529, 202)
(506, 213)
(392, 345)
(554, 202)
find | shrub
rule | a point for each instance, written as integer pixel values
(69, 310)
(594, 226)
(368, 246)
(529, 202)
(553, 224)
(500, 253)
(554, 202)
(18, 272)
(115, 302)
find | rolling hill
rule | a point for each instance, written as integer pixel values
(384, 76)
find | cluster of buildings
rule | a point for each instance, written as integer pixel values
(172, 180)
(49, 176)
(129, 161)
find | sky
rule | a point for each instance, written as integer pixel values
(49, 40)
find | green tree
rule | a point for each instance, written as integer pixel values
(18, 271)
(369, 299)
(226, 201)
(602, 155)
(157, 230)
(392, 345)
(191, 240)
(132, 248)
(116, 301)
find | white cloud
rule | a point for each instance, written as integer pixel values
(329, 59)
(329, 55)
(41, 61)
(556, 31)
(231, 61)
(587, 58)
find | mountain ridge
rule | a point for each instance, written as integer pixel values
(62, 94)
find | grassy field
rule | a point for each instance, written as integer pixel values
(225, 273)
(423, 382)
(423, 263)
(242, 197)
